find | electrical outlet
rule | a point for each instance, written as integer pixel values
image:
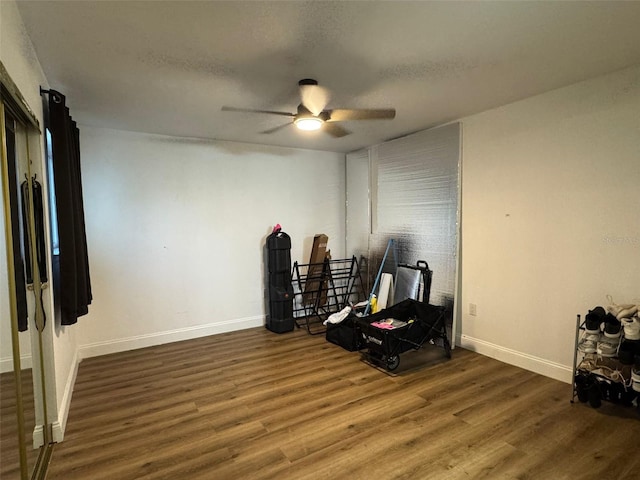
(473, 309)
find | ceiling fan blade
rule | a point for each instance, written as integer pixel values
(343, 114)
(275, 129)
(335, 130)
(314, 98)
(251, 110)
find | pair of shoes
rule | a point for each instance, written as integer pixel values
(617, 392)
(596, 339)
(588, 389)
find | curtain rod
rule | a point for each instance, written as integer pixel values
(56, 95)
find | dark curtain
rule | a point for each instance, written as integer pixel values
(74, 283)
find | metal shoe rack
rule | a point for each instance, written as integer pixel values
(597, 378)
(321, 289)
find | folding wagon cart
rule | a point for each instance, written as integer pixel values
(403, 327)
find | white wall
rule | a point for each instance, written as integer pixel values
(550, 202)
(176, 229)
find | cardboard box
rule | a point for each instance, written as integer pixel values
(319, 248)
(316, 285)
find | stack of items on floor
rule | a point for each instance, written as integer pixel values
(381, 337)
(382, 334)
(610, 369)
(411, 282)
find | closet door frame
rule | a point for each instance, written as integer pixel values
(28, 137)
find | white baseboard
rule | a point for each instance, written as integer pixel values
(57, 430)
(38, 436)
(6, 364)
(159, 338)
(532, 363)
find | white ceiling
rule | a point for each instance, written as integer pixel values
(169, 66)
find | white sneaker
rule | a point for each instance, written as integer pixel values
(608, 347)
(627, 310)
(631, 328)
(589, 342)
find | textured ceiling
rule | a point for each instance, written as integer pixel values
(169, 66)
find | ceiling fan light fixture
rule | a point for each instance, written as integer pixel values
(308, 123)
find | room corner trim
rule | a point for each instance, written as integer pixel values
(518, 359)
(60, 425)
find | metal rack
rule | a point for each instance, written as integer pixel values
(321, 289)
(602, 371)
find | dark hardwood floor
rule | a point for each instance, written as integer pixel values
(257, 405)
(9, 451)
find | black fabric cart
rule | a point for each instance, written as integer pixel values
(418, 323)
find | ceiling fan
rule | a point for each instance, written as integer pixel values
(311, 113)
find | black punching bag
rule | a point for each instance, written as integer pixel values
(280, 316)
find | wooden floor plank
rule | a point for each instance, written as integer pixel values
(257, 405)
(9, 451)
